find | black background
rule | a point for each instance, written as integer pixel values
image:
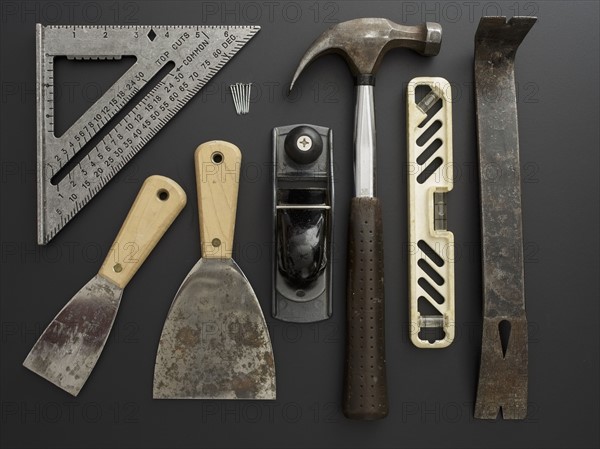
(431, 392)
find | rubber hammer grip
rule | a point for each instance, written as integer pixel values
(365, 386)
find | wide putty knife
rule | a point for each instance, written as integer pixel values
(68, 350)
(215, 343)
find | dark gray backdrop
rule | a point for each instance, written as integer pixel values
(431, 392)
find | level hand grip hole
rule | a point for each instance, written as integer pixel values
(430, 252)
(430, 271)
(429, 170)
(429, 132)
(429, 151)
(431, 291)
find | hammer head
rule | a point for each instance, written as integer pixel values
(363, 42)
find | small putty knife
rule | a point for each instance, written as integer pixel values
(215, 343)
(68, 350)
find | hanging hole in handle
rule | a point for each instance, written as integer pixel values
(117, 268)
(216, 243)
(217, 157)
(163, 194)
(432, 334)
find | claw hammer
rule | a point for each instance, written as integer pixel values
(363, 43)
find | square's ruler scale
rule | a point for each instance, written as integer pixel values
(179, 60)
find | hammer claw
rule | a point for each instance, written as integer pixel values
(363, 43)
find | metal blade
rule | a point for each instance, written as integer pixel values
(215, 343)
(503, 373)
(67, 351)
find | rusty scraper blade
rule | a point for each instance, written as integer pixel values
(69, 348)
(503, 371)
(215, 343)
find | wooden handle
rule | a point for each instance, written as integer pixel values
(365, 386)
(157, 205)
(217, 180)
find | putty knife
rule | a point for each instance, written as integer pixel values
(68, 350)
(215, 343)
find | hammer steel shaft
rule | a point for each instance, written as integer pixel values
(363, 43)
(365, 165)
